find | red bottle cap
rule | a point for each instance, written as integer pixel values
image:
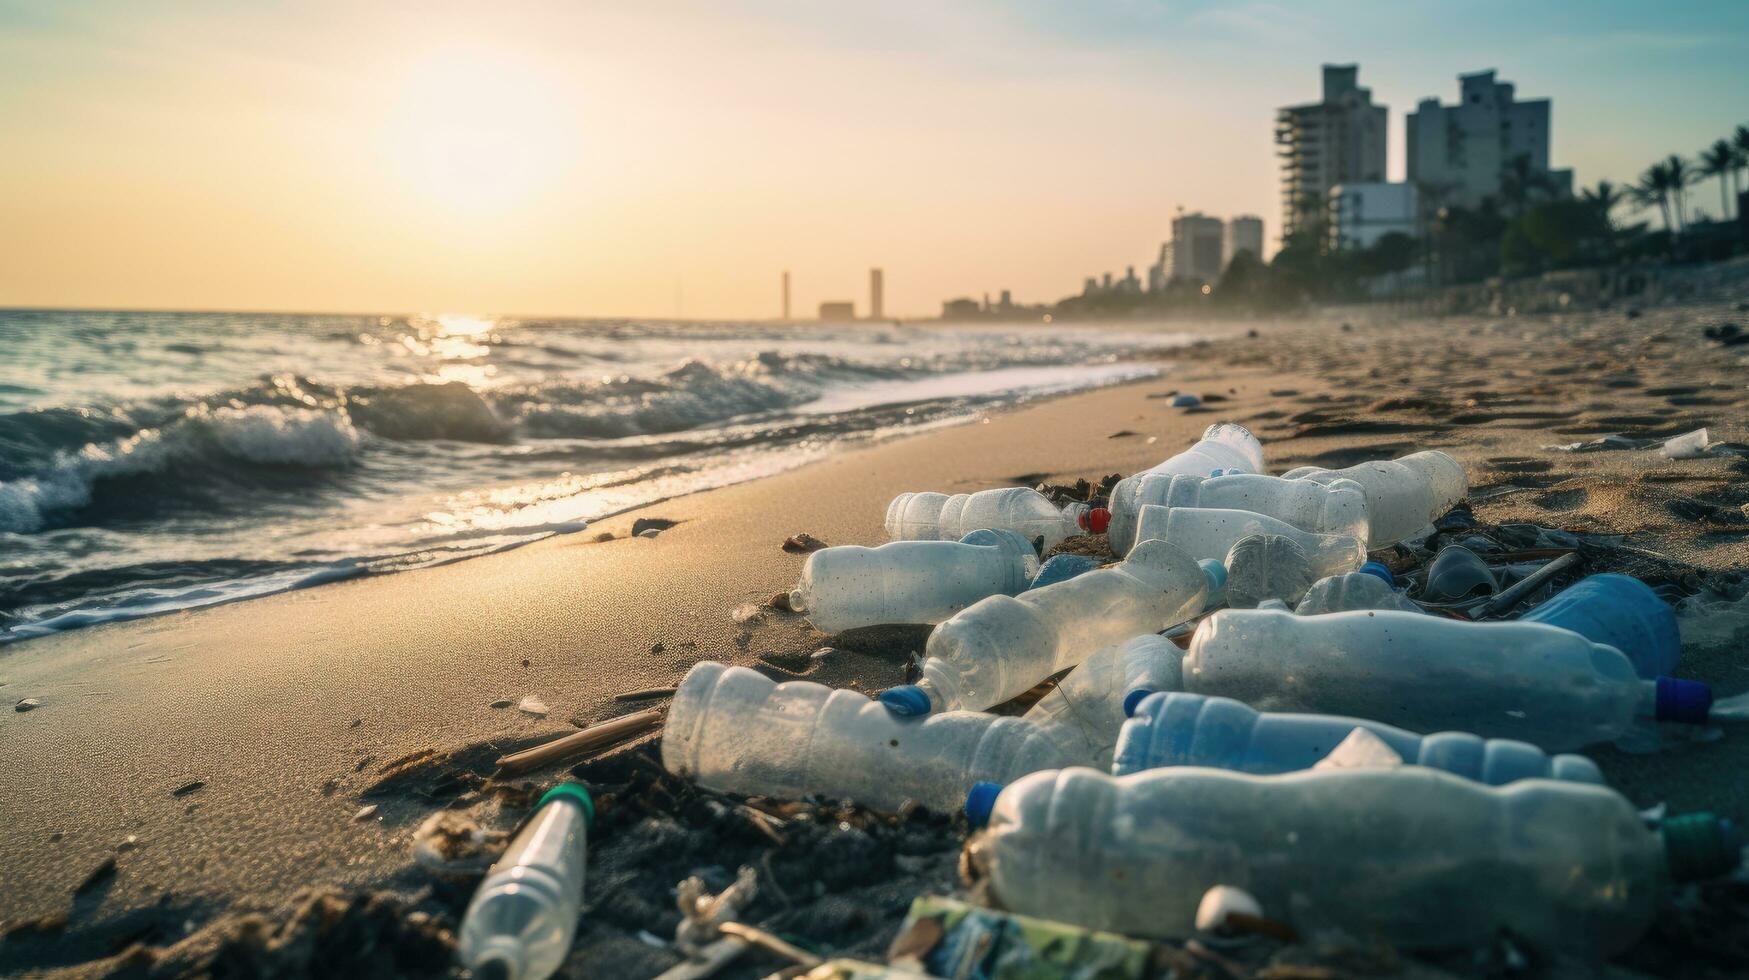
(1096, 520)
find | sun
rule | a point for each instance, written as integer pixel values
(479, 133)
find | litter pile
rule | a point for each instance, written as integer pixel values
(1230, 716)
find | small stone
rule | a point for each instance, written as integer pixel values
(1222, 901)
(356, 722)
(501, 703)
(55, 838)
(329, 786)
(531, 705)
(657, 647)
(188, 787)
(128, 843)
(604, 536)
(657, 524)
(364, 812)
(27, 704)
(822, 653)
(802, 544)
(525, 661)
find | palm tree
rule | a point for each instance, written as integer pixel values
(1719, 160)
(1740, 143)
(1681, 175)
(1519, 182)
(1654, 189)
(1604, 198)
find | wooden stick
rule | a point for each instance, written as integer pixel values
(770, 943)
(710, 959)
(589, 739)
(646, 694)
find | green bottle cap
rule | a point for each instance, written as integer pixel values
(1700, 845)
(576, 794)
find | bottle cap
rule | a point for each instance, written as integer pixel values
(1134, 699)
(980, 801)
(1699, 845)
(1217, 471)
(1095, 520)
(1381, 570)
(576, 794)
(1216, 573)
(906, 700)
(1686, 702)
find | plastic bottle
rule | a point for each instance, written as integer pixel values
(1402, 496)
(736, 730)
(1264, 567)
(1085, 711)
(1023, 510)
(1206, 532)
(1182, 729)
(1529, 681)
(1622, 612)
(1412, 856)
(1369, 588)
(910, 581)
(1063, 567)
(522, 918)
(1226, 446)
(1337, 508)
(1003, 645)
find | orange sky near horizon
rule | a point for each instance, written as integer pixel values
(594, 159)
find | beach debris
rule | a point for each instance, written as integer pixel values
(645, 694)
(496, 936)
(822, 654)
(532, 705)
(1185, 400)
(942, 937)
(1689, 445)
(450, 842)
(656, 524)
(915, 582)
(1608, 443)
(746, 612)
(604, 537)
(365, 812)
(188, 787)
(1220, 903)
(27, 704)
(802, 543)
(1508, 597)
(127, 844)
(579, 743)
(770, 943)
(701, 913)
(501, 703)
(1456, 574)
(707, 961)
(100, 874)
(1123, 434)
(657, 647)
(1726, 334)
(781, 602)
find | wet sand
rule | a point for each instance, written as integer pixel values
(296, 711)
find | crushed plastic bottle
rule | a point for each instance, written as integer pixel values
(1004, 645)
(1226, 446)
(522, 918)
(1208, 532)
(1023, 510)
(1063, 567)
(1085, 711)
(1403, 495)
(1336, 508)
(1622, 612)
(1369, 588)
(1182, 729)
(1264, 567)
(1528, 681)
(736, 730)
(1412, 856)
(910, 581)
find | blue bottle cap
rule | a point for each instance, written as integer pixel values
(906, 700)
(1216, 572)
(1381, 570)
(1133, 700)
(1698, 846)
(1686, 702)
(980, 801)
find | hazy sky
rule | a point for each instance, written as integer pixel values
(643, 158)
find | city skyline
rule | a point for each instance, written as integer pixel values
(536, 162)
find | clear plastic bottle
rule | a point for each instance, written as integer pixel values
(1003, 645)
(1622, 612)
(1263, 567)
(1208, 532)
(1085, 711)
(929, 516)
(1413, 856)
(1335, 508)
(736, 730)
(1369, 588)
(910, 581)
(1403, 495)
(1183, 729)
(522, 918)
(1528, 681)
(1226, 446)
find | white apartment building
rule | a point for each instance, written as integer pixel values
(1457, 153)
(1244, 234)
(1338, 140)
(1361, 214)
(1197, 241)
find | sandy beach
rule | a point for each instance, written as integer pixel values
(295, 712)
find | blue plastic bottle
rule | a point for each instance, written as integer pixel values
(1621, 612)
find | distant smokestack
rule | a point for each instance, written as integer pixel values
(786, 294)
(874, 294)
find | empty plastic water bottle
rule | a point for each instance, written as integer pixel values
(1622, 612)
(1530, 681)
(1063, 567)
(1085, 711)
(1226, 446)
(1004, 645)
(1336, 508)
(1264, 567)
(736, 730)
(1413, 856)
(910, 581)
(1369, 588)
(521, 921)
(1207, 532)
(1402, 495)
(1023, 510)
(1182, 729)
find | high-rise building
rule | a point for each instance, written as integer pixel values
(1244, 234)
(874, 294)
(786, 294)
(1338, 140)
(1196, 247)
(1458, 154)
